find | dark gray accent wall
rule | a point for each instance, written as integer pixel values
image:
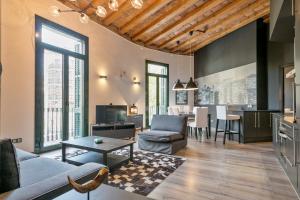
(233, 50)
(279, 55)
(282, 21)
(275, 7)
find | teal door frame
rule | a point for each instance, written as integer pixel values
(39, 82)
(147, 74)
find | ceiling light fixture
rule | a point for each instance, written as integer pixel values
(101, 11)
(113, 5)
(191, 85)
(137, 4)
(178, 85)
(55, 11)
(83, 18)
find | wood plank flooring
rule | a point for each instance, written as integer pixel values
(231, 172)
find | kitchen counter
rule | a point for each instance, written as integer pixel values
(286, 118)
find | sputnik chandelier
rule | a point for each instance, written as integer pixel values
(100, 10)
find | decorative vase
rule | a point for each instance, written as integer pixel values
(90, 185)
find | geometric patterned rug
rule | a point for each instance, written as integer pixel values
(143, 174)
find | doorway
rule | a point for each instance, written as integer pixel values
(61, 85)
(157, 89)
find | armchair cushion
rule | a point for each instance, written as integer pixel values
(161, 136)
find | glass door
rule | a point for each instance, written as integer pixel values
(53, 97)
(157, 89)
(61, 85)
(76, 99)
(152, 98)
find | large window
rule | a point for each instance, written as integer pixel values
(61, 84)
(157, 89)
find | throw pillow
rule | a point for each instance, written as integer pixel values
(9, 166)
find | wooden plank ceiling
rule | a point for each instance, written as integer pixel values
(160, 24)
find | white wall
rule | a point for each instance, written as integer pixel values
(109, 54)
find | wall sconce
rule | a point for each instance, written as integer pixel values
(103, 77)
(133, 110)
(135, 82)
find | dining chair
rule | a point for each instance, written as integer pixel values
(200, 123)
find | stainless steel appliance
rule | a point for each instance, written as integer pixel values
(288, 141)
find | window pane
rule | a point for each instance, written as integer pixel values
(53, 89)
(62, 40)
(157, 69)
(163, 110)
(152, 98)
(76, 106)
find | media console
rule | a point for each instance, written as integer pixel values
(118, 130)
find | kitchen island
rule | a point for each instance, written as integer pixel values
(256, 125)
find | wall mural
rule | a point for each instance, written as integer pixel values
(233, 86)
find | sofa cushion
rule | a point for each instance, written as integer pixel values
(169, 123)
(53, 186)
(24, 155)
(38, 169)
(161, 136)
(9, 166)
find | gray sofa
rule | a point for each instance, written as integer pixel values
(168, 134)
(44, 178)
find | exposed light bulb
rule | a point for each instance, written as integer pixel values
(101, 11)
(137, 4)
(84, 18)
(113, 5)
(55, 11)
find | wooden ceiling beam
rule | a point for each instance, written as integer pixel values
(229, 30)
(168, 15)
(195, 37)
(206, 21)
(125, 5)
(144, 14)
(194, 14)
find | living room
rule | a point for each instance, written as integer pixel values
(149, 99)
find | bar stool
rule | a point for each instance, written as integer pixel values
(222, 115)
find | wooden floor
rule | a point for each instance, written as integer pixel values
(231, 172)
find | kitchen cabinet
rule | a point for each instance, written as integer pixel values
(286, 146)
(276, 142)
(256, 125)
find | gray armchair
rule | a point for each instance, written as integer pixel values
(168, 134)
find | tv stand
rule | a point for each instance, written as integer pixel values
(116, 130)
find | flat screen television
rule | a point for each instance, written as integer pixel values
(110, 114)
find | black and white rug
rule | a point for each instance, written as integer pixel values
(143, 174)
